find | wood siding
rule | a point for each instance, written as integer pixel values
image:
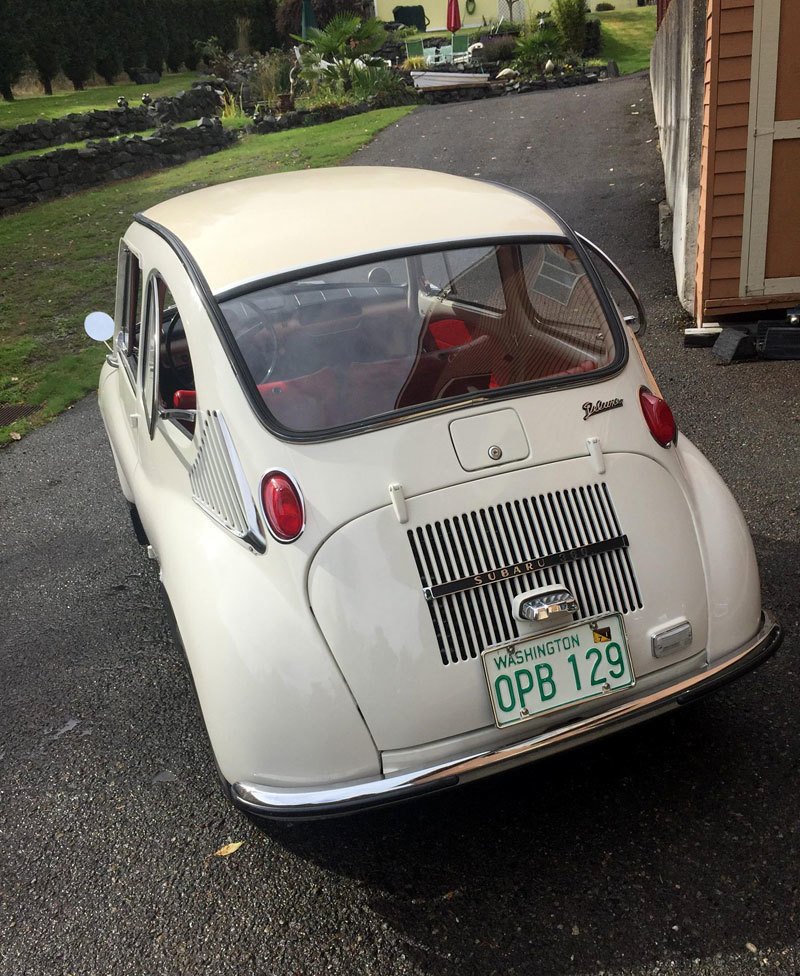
(726, 111)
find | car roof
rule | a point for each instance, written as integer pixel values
(268, 225)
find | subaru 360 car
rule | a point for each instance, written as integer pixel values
(420, 510)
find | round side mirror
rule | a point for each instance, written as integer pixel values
(99, 326)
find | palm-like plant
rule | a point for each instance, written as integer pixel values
(347, 36)
(332, 51)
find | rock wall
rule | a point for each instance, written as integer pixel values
(201, 100)
(676, 75)
(68, 170)
(265, 123)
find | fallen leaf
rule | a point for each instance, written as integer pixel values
(15, 436)
(750, 947)
(227, 849)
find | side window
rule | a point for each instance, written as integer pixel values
(468, 275)
(152, 330)
(167, 374)
(129, 303)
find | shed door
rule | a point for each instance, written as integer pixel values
(771, 249)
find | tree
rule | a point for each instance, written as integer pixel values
(43, 33)
(109, 39)
(179, 36)
(12, 51)
(79, 27)
(155, 34)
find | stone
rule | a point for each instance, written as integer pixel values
(734, 344)
(665, 225)
(612, 69)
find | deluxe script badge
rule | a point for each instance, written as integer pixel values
(590, 409)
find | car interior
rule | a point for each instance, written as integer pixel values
(345, 346)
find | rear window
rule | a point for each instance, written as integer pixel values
(339, 348)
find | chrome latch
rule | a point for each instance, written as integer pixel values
(541, 605)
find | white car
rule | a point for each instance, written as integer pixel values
(420, 510)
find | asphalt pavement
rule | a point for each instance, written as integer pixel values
(672, 848)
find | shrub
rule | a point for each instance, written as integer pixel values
(594, 39)
(272, 76)
(499, 28)
(379, 82)
(416, 63)
(569, 17)
(604, 6)
(502, 47)
(535, 49)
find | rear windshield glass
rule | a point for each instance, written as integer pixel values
(345, 346)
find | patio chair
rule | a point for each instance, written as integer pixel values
(415, 49)
(460, 44)
(460, 53)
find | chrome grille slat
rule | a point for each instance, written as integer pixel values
(468, 617)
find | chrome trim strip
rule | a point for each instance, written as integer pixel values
(623, 278)
(310, 803)
(525, 568)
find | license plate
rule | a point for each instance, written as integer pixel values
(542, 673)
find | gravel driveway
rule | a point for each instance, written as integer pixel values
(673, 848)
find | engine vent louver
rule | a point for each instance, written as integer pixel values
(218, 484)
(472, 565)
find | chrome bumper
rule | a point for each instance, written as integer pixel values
(310, 803)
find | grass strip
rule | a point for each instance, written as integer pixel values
(627, 37)
(32, 107)
(59, 258)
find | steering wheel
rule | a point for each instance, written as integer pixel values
(170, 328)
(258, 340)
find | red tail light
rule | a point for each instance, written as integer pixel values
(283, 506)
(659, 417)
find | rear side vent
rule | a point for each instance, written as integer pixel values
(472, 565)
(218, 483)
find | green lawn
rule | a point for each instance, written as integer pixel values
(628, 36)
(59, 258)
(33, 107)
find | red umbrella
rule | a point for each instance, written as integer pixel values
(453, 16)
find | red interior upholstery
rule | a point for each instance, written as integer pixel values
(583, 367)
(184, 400)
(303, 403)
(449, 332)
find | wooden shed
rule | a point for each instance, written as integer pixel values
(743, 127)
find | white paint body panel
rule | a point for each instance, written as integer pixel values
(387, 650)
(293, 699)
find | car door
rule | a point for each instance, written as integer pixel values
(128, 320)
(166, 428)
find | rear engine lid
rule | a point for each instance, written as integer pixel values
(407, 609)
